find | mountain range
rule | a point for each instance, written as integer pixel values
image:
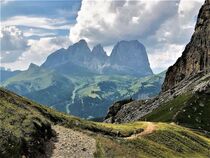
(179, 121)
(127, 58)
(85, 83)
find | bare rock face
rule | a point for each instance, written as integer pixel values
(114, 109)
(196, 56)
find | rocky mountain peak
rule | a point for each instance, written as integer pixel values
(132, 55)
(79, 48)
(33, 66)
(82, 42)
(125, 50)
(196, 56)
(98, 51)
(129, 44)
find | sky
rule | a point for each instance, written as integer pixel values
(32, 29)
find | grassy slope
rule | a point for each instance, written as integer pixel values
(167, 141)
(22, 121)
(191, 110)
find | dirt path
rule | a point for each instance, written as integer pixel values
(150, 128)
(70, 144)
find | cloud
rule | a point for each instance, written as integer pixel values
(109, 21)
(164, 57)
(37, 22)
(38, 51)
(38, 33)
(3, 1)
(13, 43)
(170, 39)
(163, 26)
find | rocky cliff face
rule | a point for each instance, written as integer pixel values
(189, 75)
(196, 56)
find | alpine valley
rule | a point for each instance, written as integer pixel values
(173, 124)
(85, 83)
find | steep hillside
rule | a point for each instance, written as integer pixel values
(29, 129)
(191, 110)
(196, 56)
(169, 104)
(185, 93)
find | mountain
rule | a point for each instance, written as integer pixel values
(82, 95)
(28, 129)
(6, 74)
(99, 53)
(99, 59)
(56, 58)
(127, 58)
(130, 57)
(78, 53)
(85, 83)
(72, 61)
(184, 98)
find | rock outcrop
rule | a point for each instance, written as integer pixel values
(196, 56)
(115, 108)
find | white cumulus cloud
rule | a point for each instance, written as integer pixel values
(164, 57)
(17, 51)
(162, 25)
(13, 43)
(38, 52)
(108, 21)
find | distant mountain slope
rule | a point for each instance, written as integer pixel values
(6, 74)
(28, 130)
(84, 82)
(184, 98)
(85, 95)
